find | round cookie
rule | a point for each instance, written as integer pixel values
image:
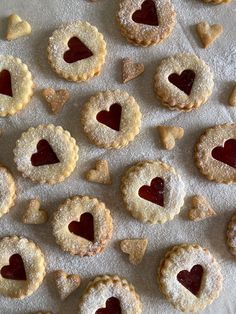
(7, 191)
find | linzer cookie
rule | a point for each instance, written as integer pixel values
(8, 191)
(152, 191)
(22, 267)
(46, 154)
(16, 85)
(111, 119)
(183, 82)
(215, 153)
(231, 235)
(82, 226)
(77, 51)
(190, 277)
(110, 294)
(146, 22)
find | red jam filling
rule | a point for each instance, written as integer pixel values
(5, 83)
(184, 81)
(112, 117)
(45, 155)
(77, 51)
(15, 270)
(147, 15)
(191, 280)
(153, 193)
(83, 228)
(226, 154)
(112, 307)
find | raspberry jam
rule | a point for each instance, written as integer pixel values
(15, 270)
(5, 83)
(83, 228)
(184, 81)
(112, 117)
(78, 51)
(153, 193)
(191, 280)
(147, 15)
(45, 155)
(112, 307)
(226, 154)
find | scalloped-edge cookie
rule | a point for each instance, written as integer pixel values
(16, 85)
(190, 277)
(66, 284)
(22, 267)
(111, 293)
(215, 153)
(231, 235)
(183, 82)
(111, 119)
(46, 154)
(7, 191)
(77, 51)
(82, 226)
(153, 191)
(146, 22)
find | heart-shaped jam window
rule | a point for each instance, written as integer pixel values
(112, 307)
(5, 83)
(184, 81)
(83, 228)
(15, 270)
(153, 193)
(112, 117)
(147, 15)
(45, 155)
(191, 280)
(78, 51)
(226, 154)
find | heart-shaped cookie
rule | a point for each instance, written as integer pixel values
(227, 153)
(153, 193)
(17, 27)
(147, 15)
(78, 51)
(201, 209)
(100, 174)
(191, 280)
(15, 270)
(34, 214)
(5, 83)
(45, 155)
(131, 70)
(83, 228)
(168, 135)
(56, 98)
(66, 284)
(112, 117)
(135, 248)
(112, 307)
(184, 81)
(208, 33)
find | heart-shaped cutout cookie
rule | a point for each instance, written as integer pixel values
(45, 155)
(66, 284)
(17, 27)
(191, 280)
(135, 248)
(147, 15)
(153, 193)
(208, 33)
(83, 228)
(5, 83)
(226, 154)
(78, 51)
(201, 209)
(100, 174)
(56, 98)
(184, 81)
(112, 307)
(15, 270)
(169, 134)
(131, 70)
(112, 117)
(34, 214)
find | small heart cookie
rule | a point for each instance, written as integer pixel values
(168, 135)
(232, 98)
(100, 174)
(65, 283)
(56, 98)
(17, 27)
(208, 33)
(201, 209)
(34, 215)
(135, 248)
(131, 70)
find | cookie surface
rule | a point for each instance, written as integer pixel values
(231, 235)
(7, 191)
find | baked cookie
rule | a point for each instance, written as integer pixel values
(16, 85)
(46, 154)
(66, 284)
(82, 226)
(152, 191)
(17, 27)
(77, 51)
(232, 97)
(190, 277)
(7, 191)
(217, 1)
(135, 248)
(110, 294)
(231, 235)
(183, 82)
(215, 153)
(100, 174)
(111, 119)
(34, 214)
(208, 33)
(169, 134)
(22, 267)
(146, 22)
(201, 209)
(56, 99)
